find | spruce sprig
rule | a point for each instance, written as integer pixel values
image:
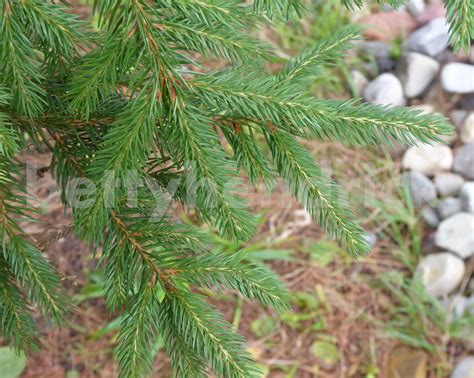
(134, 99)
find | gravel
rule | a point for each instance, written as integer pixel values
(386, 89)
(456, 234)
(422, 189)
(464, 161)
(421, 70)
(428, 159)
(458, 78)
(431, 39)
(440, 273)
(448, 184)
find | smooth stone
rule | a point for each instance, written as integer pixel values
(464, 161)
(455, 306)
(431, 39)
(431, 12)
(416, 7)
(462, 306)
(446, 57)
(448, 207)
(421, 70)
(456, 234)
(359, 81)
(458, 78)
(440, 273)
(387, 26)
(467, 129)
(422, 189)
(457, 118)
(428, 159)
(386, 89)
(448, 184)
(466, 102)
(466, 196)
(377, 49)
(430, 216)
(464, 368)
(386, 65)
(429, 245)
(407, 363)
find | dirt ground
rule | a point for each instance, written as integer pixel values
(351, 312)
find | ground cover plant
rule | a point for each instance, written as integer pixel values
(134, 121)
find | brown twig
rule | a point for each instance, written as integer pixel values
(52, 236)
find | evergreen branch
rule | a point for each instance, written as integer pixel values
(216, 40)
(201, 147)
(460, 15)
(130, 139)
(319, 195)
(124, 149)
(187, 360)
(229, 14)
(97, 73)
(252, 281)
(16, 324)
(278, 7)
(249, 155)
(336, 120)
(37, 274)
(132, 103)
(60, 34)
(134, 46)
(310, 60)
(18, 63)
(136, 244)
(353, 4)
(205, 329)
(26, 262)
(121, 264)
(8, 139)
(138, 330)
(364, 124)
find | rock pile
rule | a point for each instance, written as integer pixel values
(441, 176)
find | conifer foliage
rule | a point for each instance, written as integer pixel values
(129, 98)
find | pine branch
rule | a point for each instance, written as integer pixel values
(319, 195)
(460, 15)
(345, 121)
(26, 262)
(132, 102)
(215, 40)
(18, 62)
(134, 46)
(60, 35)
(138, 330)
(249, 155)
(205, 329)
(352, 4)
(200, 146)
(34, 272)
(16, 324)
(231, 271)
(231, 14)
(8, 139)
(303, 66)
(278, 7)
(187, 360)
